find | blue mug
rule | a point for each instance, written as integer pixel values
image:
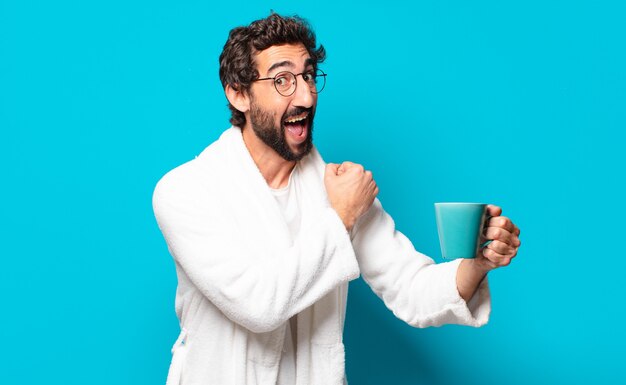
(460, 226)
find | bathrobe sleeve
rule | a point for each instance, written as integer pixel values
(256, 291)
(417, 290)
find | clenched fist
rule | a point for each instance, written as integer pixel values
(351, 190)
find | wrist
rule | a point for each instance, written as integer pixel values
(478, 266)
(348, 223)
(469, 276)
(347, 219)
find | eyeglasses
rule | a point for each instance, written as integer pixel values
(285, 82)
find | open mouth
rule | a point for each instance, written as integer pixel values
(297, 125)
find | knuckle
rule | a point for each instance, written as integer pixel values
(492, 245)
(498, 245)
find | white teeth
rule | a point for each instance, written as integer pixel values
(293, 120)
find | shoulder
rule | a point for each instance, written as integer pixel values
(177, 179)
(192, 179)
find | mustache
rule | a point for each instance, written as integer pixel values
(297, 111)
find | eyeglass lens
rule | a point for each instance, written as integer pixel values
(285, 82)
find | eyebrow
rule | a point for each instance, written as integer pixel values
(287, 63)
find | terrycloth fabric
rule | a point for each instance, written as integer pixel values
(287, 198)
(241, 276)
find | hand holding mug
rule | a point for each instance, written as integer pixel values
(476, 231)
(504, 237)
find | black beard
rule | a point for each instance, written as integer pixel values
(262, 123)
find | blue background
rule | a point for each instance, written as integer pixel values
(521, 104)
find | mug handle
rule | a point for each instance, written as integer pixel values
(485, 244)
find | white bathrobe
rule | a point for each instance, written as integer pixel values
(241, 276)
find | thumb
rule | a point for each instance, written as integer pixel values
(494, 210)
(331, 169)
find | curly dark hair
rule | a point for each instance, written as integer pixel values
(237, 65)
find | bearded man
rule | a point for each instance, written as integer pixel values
(266, 236)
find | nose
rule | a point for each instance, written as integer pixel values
(303, 97)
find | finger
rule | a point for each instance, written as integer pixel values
(502, 248)
(503, 222)
(331, 168)
(506, 224)
(373, 187)
(494, 210)
(497, 258)
(485, 260)
(352, 167)
(330, 171)
(500, 234)
(357, 168)
(369, 175)
(347, 165)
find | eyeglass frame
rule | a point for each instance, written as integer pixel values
(295, 77)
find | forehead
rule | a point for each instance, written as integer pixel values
(291, 56)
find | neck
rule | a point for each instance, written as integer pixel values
(272, 166)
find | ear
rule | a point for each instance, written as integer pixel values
(239, 99)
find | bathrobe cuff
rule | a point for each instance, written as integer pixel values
(474, 312)
(344, 244)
